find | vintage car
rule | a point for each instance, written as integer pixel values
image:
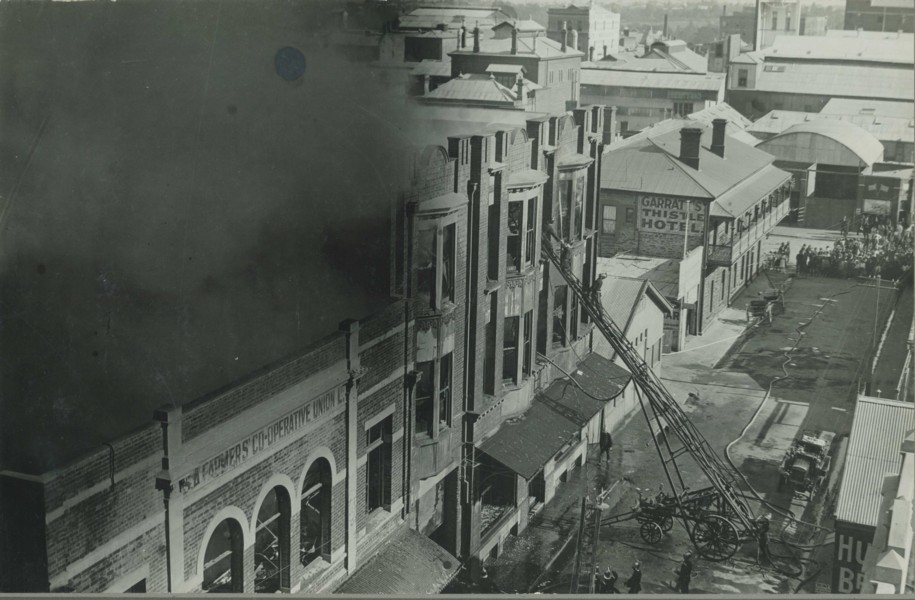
(806, 463)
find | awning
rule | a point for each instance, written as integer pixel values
(736, 201)
(524, 444)
(526, 178)
(409, 564)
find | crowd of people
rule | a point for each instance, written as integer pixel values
(882, 251)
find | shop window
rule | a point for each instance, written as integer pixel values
(528, 341)
(515, 216)
(608, 219)
(510, 350)
(223, 560)
(378, 466)
(315, 515)
(559, 315)
(425, 398)
(271, 543)
(444, 391)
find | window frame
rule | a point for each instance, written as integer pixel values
(605, 220)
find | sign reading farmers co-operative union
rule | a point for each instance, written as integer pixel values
(658, 214)
(303, 418)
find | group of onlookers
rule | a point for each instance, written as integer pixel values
(883, 251)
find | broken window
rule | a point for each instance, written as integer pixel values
(315, 515)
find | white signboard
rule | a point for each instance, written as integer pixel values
(658, 214)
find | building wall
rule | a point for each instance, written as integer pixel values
(645, 331)
(635, 231)
(852, 542)
(862, 14)
(638, 108)
(774, 19)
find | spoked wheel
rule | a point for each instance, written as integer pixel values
(651, 532)
(715, 538)
(666, 523)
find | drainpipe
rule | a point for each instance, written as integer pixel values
(410, 378)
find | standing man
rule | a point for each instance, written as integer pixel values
(606, 444)
(634, 583)
(595, 292)
(844, 227)
(609, 581)
(685, 573)
(801, 259)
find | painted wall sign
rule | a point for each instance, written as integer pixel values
(658, 214)
(306, 417)
(849, 562)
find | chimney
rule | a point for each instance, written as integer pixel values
(665, 26)
(514, 39)
(522, 91)
(591, 53)
(625, 32)
(476, 38)
(426, 85)
(689, 146)
(719, 127)
(463, 36)
(565, 37)
(534, 42)
(573, 39)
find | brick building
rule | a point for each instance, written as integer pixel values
(682, 185)
(597, 28)
(880, 15)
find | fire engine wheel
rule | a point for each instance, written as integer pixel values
(651, 532)
(715, 538)
(666, 523)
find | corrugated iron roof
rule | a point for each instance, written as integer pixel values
(433, 68)
(737, 200)
(523, 26)
(856, 81)
(884, 128)
(524, 444)
(408, 564)
(863, 144)
(877, 431)
(711, 82)
(620, 296)
(867, 107)
(664, 273)
(543, 47)
(840, 45)
(479, 88)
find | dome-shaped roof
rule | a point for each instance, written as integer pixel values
(862, 144)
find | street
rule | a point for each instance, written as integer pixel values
(812, 356)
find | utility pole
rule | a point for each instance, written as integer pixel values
(573, 588)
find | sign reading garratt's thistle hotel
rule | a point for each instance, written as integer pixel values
(659, 214)
(306, 417)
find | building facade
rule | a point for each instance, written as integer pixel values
(880, 15)
(597, 28)
(719, 196)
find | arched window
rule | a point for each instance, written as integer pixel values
(271, 543)
(223, 570)
(315, 516)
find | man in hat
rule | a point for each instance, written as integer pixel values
(685, 573)
(608, 583)
(595, 291)
(634, 583)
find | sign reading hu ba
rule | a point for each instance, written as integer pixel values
(658, 214)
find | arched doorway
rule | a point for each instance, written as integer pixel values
(223, 560)
(315, 515)
(271, 543)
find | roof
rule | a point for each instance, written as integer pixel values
(735, 202)
(841, 45)
(433, 68)
(525, 443)
(428, 17)
(737, 123)
(881, 127)
(747, 58)
(677, 53)
(523, 26)
(648, 162)
(480, 88)
(432, 123)
(664, 273)
(620, 297)
(710, 82)
(847, 136)
(541, 47)
(877, 431)
(526, 177)
(868, 107)
(847, 81)
(408, 564)
(503, 68)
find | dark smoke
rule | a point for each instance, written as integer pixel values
(176, 214)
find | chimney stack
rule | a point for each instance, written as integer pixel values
(573, 39)
(522, 91)
(514, 39)
(565, 37)
(719, 127)
(591, 53)
(689, 146)
(665, 26)
(463, 36)
(476, 38)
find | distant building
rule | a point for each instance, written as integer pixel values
(759, 25)
(880, 15)
(893, 123)
(742, 23)
(804, 73)
(839, 172)
(681, 185)
(598, 28)
(554, 66)
(644, 98)
(874, 464)
(723, 51)
(639, 310)
(425, 18)
(814, 25)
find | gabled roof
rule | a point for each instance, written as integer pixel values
(481, 88)
(737, 123)
(877, 431)
(621, 296)
(736, 201)
(523, 26)
(648, 162)
(747, 58)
